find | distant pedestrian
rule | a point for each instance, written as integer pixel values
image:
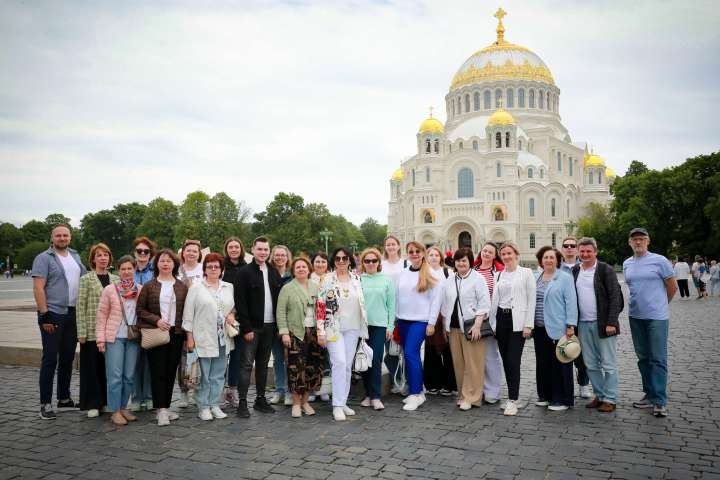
(56, 279)
(682, 274)
(714, 278)
(652, 285)
(695, 274)
(703, 278)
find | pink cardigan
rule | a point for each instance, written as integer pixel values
(109, 315)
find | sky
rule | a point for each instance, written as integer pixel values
(108, 102)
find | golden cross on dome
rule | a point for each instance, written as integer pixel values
(500, 28)
(431, 109)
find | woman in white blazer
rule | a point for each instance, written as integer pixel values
(466, 299)
(512, 315)
(208, 307)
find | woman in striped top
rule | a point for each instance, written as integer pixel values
(488, 265)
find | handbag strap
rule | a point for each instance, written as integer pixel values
(122, 306)
(457, 290)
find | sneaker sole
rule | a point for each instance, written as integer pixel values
(642, 406)
(42, 417)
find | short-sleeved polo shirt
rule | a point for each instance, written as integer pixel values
(645, 277)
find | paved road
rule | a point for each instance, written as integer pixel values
(437, 441)
(17, 288)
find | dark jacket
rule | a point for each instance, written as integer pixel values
(250, 295)
(608, 296)
(231, 270)
(148, 304)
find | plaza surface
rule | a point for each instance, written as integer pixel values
(437, 441)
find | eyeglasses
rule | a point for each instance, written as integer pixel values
(212, 267)
(342, 258)
(414, 252)
(142, 251)
(569, 245)
(368, 261)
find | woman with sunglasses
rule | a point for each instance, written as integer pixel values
(144, 272)
(418, 300)
(342, 322)
(379, 292)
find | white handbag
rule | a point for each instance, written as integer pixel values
(394, 348)
(363, 357)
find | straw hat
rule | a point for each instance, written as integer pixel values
(567, 349)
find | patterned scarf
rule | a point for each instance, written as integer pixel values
(128, 289)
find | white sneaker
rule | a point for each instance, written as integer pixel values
(558, 408)
(465, 406)
(365, 402)
(414, 401)
(503, 404)
(338, 414)
(542, 403)
(288, 400)
(311, 398)
(184, 400)
(217, 413)
(586, 391)
(325, 397)
(511, 408)
(378, 405)
(93, 412)
(172, 415)
(162, 417)
(348, 411)
(275, 399)
(205, 414)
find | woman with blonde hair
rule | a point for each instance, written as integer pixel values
(379, 293)
(512, 317)
(418, 300)
(281, 259)
(93, 394)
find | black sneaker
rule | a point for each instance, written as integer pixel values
(46, 412)
(262, 405)
(242, 409)
(65, 405)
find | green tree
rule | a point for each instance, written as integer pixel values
(11, 240)
(129, 216)
(599, 224)
(193, 218)
(27, 253)
(55, 218)
(373, 232)
(35, 230)
(159, 220)
(636, 168)
(102, 226)
(223, 220)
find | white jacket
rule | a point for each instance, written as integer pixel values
(523, 300)
(474, 297)
(200, 317)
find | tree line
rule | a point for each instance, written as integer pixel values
(287, 219)
(679, 206)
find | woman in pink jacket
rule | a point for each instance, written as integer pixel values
(115, 322)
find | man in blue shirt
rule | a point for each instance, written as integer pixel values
(652, 285)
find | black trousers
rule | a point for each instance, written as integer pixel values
(511, 346)
(93, 386)
(582, 376)
(554, 379)
(58, 353)
(163, 362)
(683, 287)
(255, 351)
(438, 370)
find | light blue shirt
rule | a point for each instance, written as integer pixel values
(645, 277)
(560, 304)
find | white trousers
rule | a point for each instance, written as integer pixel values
(342, 354)
(493, 369)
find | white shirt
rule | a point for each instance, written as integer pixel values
(682, 270)
(585, 286)
(72, 275)
(268, 312)
(348, 307)
(195, 275)
(413, 305)
(504, 288)
(129, 306)
(167, 301)
(392, 270)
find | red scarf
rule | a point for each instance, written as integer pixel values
(127, 289)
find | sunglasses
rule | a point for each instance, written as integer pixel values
(342, 258)
(569, 245)
(368, 261)
(414, 252)
(142, 251)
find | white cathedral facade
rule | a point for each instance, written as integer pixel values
(503, 167)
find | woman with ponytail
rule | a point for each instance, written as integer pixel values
(418, 300)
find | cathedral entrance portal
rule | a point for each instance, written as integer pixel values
(464, 240)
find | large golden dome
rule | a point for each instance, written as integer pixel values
(502, 61)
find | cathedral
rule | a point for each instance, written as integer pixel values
(503, 166)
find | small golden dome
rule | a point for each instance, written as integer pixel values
(609, 173)
(500, 117)
(432, 125)
(397, 176)
(593, 160)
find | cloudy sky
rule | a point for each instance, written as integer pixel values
(109, 102)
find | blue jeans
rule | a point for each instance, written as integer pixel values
(212, 379)
(58, 353)
(650, 342)
(120, 362)
(412, 334)
(372, 378)
(601, 361)
(279, 367)
(142, 390)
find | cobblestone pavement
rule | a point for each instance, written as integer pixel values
(438, 441)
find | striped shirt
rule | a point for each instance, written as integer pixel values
(539, 301)
(487, 273)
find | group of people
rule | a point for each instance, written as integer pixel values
(205, 320)
(704, 276)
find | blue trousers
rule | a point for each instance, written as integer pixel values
(58, 352)
(372, 378)
(412, 334)
(120, 362)
(212, 379)
(279, 367)
(650, 342)
(601, 361)
(142, 389)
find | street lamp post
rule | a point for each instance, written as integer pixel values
(354, 246)
(570, 226)
(326, 235)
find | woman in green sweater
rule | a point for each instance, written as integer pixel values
(297, 326)
(379, 292)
